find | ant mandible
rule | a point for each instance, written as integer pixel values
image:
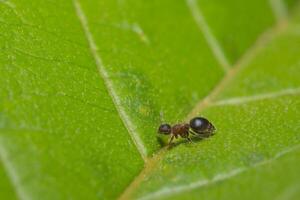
(198, 126)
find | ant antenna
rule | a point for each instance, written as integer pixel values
(161, 116)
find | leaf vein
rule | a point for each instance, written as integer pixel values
(12, 173)
(53, 60)
(109, 85)
(279, 9)
(210, 38)
(170, 191)
(246, 99)
(206, 102)
(241, 64)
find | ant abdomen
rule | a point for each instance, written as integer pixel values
(201, 125)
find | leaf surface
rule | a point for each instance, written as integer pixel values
(6, 189)
(258, 130)
(236, 24)
(61, 135)
(86, 83)
(280, 171)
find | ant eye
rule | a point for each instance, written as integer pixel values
(164, 129)
(200, 125)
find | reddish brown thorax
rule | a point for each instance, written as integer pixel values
(181, 129)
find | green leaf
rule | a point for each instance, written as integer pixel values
(61, 135)
(279, 176)
(250, 135)
(6, 189)
(152, 66)
(86, 83)
(235, 24)
(255, 109)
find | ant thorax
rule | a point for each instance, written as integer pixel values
(181, 129)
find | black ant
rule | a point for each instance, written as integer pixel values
(198, 126)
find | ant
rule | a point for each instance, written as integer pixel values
(198, 126)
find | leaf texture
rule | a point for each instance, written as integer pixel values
(85, 84)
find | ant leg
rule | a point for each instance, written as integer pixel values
(171, 139)
(191, 132)
(190, 140)
(161, 116)
(202, 135)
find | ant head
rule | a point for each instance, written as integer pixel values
(164, 129)
(200, 124)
